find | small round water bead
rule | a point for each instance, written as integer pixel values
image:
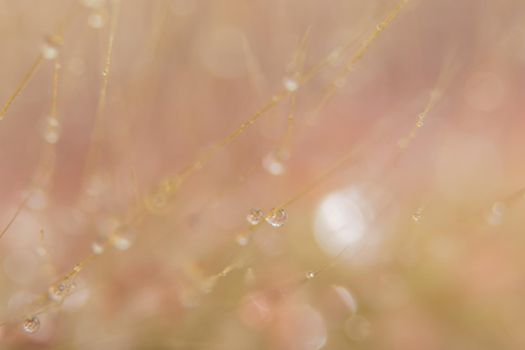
(418, 214)
(58, 291)
(242, 239)
(96, 20)
(310, 275)
(50, 47)
(52, 130)
(97, 247)
(31, 325)
(290, 84)
(254, 216)
(274, 162)
(277, 217)
(121, 243)
(124, 237)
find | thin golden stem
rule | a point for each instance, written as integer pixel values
(25, 80)
(35, 66)
(15, 215)
(202, 160)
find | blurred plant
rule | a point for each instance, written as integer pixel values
(191, 262)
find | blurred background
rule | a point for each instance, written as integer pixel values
(264, 174)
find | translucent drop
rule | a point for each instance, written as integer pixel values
(273, 162)
(242, 239)
(96, 21)
(51, 136)
(122, 243)
(254, 216)
(290, 84)
(58, 291)
(53, 122)
(124, 238)
(420, 120)
(418, 214)
(310, 275)
(277, 218)
(52, 130)
(97, 247)
(157, 201)
(31, 325)
(49, 51)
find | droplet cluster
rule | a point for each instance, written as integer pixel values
(276, 218)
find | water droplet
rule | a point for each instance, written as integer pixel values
(242, 239)
(97, 247)
(254, 216)
(157, 201)
(96, 21)
(50, 47)
(420, 120)
(418, 214)
(57, 291)
(53, 122)
(273, 162)
(290, 84)
(49, 52)
(122, 243)
(51, 136)
(31, 325)
(123, 239)
(277, 217)
(310, 275)
(51, 131)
